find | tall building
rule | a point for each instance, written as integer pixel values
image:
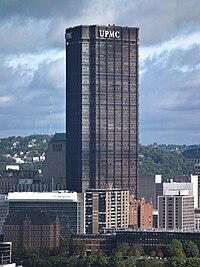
(106, 208)
(102, 107)
(176, 212)
(54, 168)
(189, 185)
(150, 187)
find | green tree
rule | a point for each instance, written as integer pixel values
(191, 249)
(192, 262)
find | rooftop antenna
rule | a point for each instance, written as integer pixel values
(50, 115)
(33, 126)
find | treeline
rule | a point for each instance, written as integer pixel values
(167, 160)
(166, 255)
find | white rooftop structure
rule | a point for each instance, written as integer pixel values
(45, 196)
(175, 189)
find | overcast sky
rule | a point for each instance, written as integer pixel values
(32, 63)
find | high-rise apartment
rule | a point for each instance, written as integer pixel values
(106, 208)
(176, 212)
(102, 107)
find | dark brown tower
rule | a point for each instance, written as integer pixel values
(102, 107)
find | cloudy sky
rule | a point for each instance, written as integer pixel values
(32, 63)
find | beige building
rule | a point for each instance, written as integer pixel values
(106, 208)
(176, 212)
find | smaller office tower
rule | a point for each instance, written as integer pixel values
(186, 183)
(176, 212)
(140, 214)
(150, 187)
(106, 208)
(67, 205)
(54, 170)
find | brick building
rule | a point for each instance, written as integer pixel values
(140, 213)
(32, 230)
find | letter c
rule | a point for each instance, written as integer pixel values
(117, 34)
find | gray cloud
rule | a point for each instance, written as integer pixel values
(170, 94)
(33, 68)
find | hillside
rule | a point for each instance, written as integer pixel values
(28, 152)
(168, 160)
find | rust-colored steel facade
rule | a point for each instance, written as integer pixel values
(102, 107)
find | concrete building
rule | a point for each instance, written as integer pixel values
(140, 214)
(150, 187)
(106, 208)
(32, 229)
(67, 205)
(102, 107)
(18, 180)
(176, 212)
(54, 169)
(187, 180)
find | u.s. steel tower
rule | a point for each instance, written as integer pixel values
(102, 107)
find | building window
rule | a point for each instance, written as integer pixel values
(56, 147)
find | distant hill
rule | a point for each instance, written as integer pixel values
(27, 151)
(168, 160)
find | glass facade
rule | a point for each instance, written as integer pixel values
(67, 211)
(102, 107)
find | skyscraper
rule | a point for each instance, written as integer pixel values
(102, 107)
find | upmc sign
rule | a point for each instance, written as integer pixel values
(111, 34)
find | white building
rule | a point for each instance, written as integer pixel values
(67, 205)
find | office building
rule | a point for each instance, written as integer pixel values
(102, 107)
(67, 205)
(189, 184)
(32, 229)
(151, 239)
(140, 214)
(54, 169)
(106, 208)
(176, 212)
(150, 187)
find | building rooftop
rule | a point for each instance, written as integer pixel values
(36, 218)
(44, 196)
(59, 137)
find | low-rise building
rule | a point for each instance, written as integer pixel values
(67, 205)
(32, 230)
